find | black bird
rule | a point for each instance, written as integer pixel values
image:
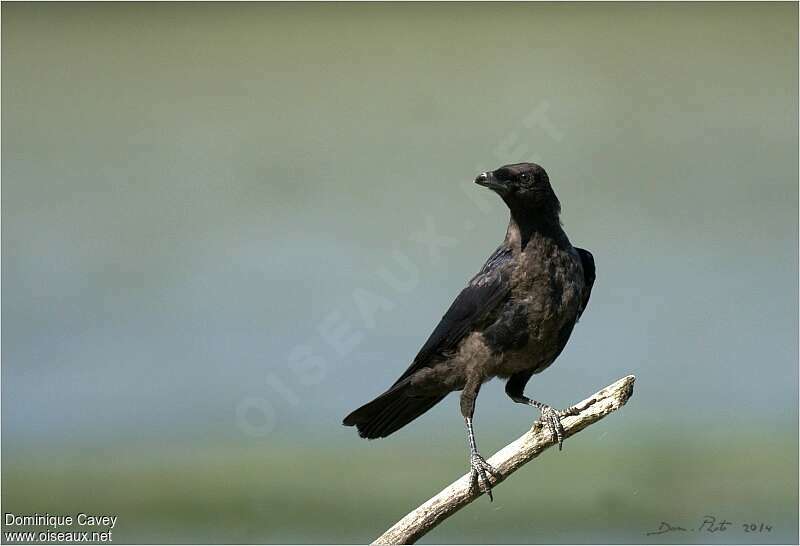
(511, 321)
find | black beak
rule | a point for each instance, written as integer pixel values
(488, 180)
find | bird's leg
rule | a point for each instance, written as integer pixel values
(480, 470)
(550, 417)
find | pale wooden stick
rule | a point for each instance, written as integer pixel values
(506, 461)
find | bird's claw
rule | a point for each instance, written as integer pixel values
(479, 469)
(552, 418)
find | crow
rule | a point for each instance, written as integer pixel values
(511, 321)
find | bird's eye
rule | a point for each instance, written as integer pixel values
(524, 177)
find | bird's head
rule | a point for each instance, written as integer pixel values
(525, 188)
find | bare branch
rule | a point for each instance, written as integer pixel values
(524, 449)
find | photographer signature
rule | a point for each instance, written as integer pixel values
(712, 524)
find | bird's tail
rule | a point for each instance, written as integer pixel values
(389, 412)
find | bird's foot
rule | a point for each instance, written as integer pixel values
(552, 419)
(479, 473)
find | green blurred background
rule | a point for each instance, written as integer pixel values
(198, 200)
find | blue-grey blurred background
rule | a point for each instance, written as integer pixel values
(213, 226)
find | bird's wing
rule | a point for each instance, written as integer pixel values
(474, 304)
(587, 261)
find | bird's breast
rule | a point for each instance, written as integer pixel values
(547, 285)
